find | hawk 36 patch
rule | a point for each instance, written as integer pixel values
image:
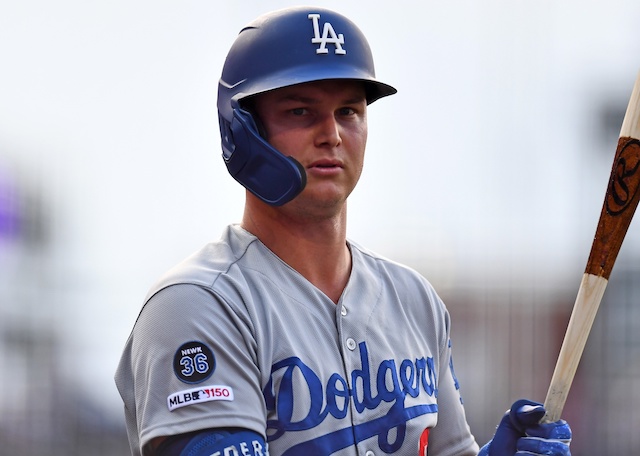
(194, 362)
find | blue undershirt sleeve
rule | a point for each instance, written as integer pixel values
(214, 442)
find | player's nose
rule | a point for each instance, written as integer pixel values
(328, 132)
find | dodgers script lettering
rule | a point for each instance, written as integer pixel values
(366, 389)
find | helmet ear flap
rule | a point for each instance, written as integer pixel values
(249, 104)
(267, 173)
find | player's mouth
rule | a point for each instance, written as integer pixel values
(325, 167)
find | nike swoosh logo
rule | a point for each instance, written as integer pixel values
(231, 86)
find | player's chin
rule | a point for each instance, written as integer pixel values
(328, 187)
(327, 193)
(325, 203)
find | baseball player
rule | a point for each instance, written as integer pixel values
(284, 337)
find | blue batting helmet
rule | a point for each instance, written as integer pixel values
(280, 49)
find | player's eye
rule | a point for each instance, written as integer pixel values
(346, 111)
(298, 111)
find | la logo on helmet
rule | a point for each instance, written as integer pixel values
(328, 36)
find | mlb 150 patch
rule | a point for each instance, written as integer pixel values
(199, 395)
(194, 362)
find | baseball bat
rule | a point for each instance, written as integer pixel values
(620, 203)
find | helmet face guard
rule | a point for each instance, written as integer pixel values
(280, 49)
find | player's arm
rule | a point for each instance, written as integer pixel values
(208, 442)
(172, 317)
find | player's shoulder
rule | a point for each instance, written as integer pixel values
(379, 261)
(404, 277)
(206, 265)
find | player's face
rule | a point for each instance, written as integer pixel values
(323, 125)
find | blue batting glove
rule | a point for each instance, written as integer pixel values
(521, 433)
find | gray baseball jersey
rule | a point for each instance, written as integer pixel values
(234, 337)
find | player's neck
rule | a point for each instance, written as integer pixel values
(316, 248)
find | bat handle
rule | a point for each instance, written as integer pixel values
(584, 312)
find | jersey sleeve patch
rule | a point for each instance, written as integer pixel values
(194, 362)
(199, 395)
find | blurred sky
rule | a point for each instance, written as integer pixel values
(487, 168)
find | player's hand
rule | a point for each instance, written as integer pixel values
(521, 433)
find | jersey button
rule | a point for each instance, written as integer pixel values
(369, 453)
(351, 344)
(343, 311)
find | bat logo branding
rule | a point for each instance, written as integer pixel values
(625, 178)
(329, 36)
(620, 203)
